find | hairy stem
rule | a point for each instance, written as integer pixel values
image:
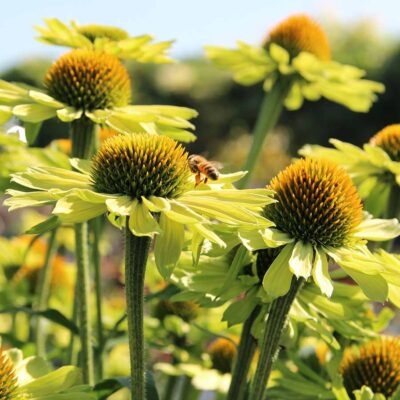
(43, 293)
(246, 350)
(136, 253)
(96, 228)
(83, 282)
(268, 116)
(269, 350)
(83, 140)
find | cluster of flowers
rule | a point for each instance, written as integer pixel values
(274, 257)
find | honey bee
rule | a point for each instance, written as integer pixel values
(201, 166)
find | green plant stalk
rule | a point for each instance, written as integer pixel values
(170, 387)
(188, 392)
(83, 282)
(268, 116)
(43, 293)
(71, 359)
(96, 228)
(277, 319)
(136, 253)
(246, 351)
(83, 141)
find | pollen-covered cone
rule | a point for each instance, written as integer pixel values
(375, 364)
(88, 80)
(8, 378)
(300, 33)
(109, 39)
(146, 178)
(319, 216)
(375, 168)
(297, 52)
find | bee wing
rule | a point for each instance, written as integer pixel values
(216, 164)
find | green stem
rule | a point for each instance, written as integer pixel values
(83, 140)
(83, 282)
(246, 351)
(268, 116)
(96, 226)
(71, 346)
(187, 391)
(170, 386)
(269, 351)
(43, 293)
(83, 137)
(136, 253)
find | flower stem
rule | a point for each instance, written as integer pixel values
(246, 350)
(83, 140)
(136, 253)
(269, 351)
(71, 346)
(96, 228)
(43, 293)
(83, 282)
(170, 387)
(268, 116)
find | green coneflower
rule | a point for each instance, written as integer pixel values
(110, 39)
(374, 168)
(145, 185)
(8, 378)
(222, 352)
(319, 216)
(89, 87)
(375, 364)
(294, 64)
(89, 80)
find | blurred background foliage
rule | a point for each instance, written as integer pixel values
(227, 111)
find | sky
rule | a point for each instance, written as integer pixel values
(191, 23)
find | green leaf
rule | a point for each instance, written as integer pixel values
(48, 225)
(50, 314)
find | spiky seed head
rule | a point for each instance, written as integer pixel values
(187, 310)
(94, 31)
(222, 352)
(300, 33)
(141, 165)
(389, 140)
(8, 377)
(317, 203)
(375, 364)
(89, 80)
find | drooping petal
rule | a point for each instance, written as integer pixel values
(34, 112)
(168, 245)
(301, 261)
(278, 278)
(320, 273)
(141, 221)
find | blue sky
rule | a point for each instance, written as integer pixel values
(191, 23)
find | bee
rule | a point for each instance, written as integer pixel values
(201, 166)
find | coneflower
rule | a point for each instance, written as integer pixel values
(375, 364)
